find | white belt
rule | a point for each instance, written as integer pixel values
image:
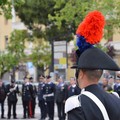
(48, 95)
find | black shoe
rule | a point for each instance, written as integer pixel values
(33, 116)
(3, 117)
(15, 118)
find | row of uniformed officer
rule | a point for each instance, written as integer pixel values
(49, 93)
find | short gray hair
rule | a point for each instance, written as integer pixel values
(93, 74)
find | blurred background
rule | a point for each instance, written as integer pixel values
(38, 36)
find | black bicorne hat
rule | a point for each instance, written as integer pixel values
(94, 58)
(41, 76)
(30, 78)
(12, 81)
(89, 33)
(48, 76)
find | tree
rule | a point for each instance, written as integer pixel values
(17, 43)
(35, 16)
(34, 13)
(41, 55)
(14, 53)
(6, 7)
(7, 61)
(74, 11)
(16, 48)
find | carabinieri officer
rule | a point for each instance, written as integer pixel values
(48, 95)
(93, 103)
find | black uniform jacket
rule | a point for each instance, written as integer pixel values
(40, 91)
(12, 95)
(88, 110)
(61, 92)
(3, 93)
(73, 91)
(48, 89)
(27, 92)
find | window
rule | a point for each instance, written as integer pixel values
(6, 41)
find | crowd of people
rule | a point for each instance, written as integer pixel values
(46, 94)
(111, 84)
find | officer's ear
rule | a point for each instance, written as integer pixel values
(81, 74)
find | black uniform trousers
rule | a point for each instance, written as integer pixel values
(61, 113)
(10, 104)
(33, 106)
(50, 109)
(2, 108)
(27, 109)
(43, 109)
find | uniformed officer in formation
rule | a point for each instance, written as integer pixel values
(49, 91)
(93, 103)
(12, 91)
(3, 93)
(60, 98)
(34, 96)
(73, 89)
(41, 100)
(117, 85)
(27, 96)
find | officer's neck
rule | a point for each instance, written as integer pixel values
(85, 83)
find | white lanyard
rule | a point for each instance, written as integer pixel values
(98, 103)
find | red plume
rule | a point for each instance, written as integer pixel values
(92, 27)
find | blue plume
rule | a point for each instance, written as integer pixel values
(82, 44)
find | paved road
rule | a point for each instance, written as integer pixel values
(19, 112)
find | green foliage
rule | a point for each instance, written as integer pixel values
(7, 61)
(17, 43)
(41, 55)
(6, 7)
(53, 33)
(34, 13)
(74, 11)
(59, 19)
(15, 51)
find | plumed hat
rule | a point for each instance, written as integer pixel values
(89, 33)
(12, 81)
(30, 78)
(41, 76)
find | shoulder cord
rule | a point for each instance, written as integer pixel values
(98, 103)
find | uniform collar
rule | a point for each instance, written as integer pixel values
(90, 87)
(49, 82)
(27, 83)
(74, 85)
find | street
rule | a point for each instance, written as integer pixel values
(19, 111)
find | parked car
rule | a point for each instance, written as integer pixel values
(19, 83)
(6, 82)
